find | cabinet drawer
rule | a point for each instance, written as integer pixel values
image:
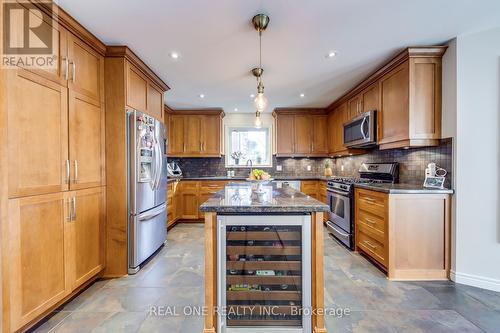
(371, 222)
(372, 202)
(375, 249)
(189, 186)
(212, 186)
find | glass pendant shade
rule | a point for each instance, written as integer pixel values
(258, 120)
(260, 102)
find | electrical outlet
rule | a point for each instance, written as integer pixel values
(342, 167)
(279, 168)
(308, 168)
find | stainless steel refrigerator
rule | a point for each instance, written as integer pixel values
(147, 187)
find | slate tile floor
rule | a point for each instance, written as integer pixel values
(175, 278)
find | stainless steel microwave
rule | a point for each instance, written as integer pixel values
(361, 132)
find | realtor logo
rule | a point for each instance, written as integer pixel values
(28, 34)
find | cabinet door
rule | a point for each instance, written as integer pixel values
(353, 107)
(370, 98)
(37, 246)
(86, 235)
(319, 134)
(303, 134)
(56, 73)
(86, 69)
(211, 131)
(155, 102)
(192, 135)
(176, 135)
(137, 89)
(86, 141)
(340, 116)
(393, 116)
(189, 202)
(285, 135)
(38, 139)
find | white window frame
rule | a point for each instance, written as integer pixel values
(228, 158)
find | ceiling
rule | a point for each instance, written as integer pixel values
(218, 45)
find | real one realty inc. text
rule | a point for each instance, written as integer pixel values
(248, 310)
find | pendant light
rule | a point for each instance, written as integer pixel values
(260, 23)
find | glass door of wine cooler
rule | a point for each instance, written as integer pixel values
(264, 273)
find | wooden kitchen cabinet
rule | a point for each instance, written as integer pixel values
(188, 199)
(38, 246)
(86, 141)
(38, 147)
(86, 235)
(85, 69)
(137, 88)
(195, 133)
(310, 188)
(411, 103)
(301, 132)
(392, 230)
(406, 93)
(285, 135)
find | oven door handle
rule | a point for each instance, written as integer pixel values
(331, 225)
(346, 194)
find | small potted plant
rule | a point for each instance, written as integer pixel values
(328, 169)
(236, 156)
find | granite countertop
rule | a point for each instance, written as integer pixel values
(403, 189)
(238, 198)
(244, 178)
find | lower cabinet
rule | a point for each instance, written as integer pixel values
(87, 235)
(52, 248)
(409, 243)
(310, 188)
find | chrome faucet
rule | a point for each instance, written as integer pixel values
(251, 165)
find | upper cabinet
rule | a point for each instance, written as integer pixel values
(60, 145)
(194, 133)
(142, 89)
(406, 93)
(301, 132)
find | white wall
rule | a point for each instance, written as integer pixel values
(477, 180)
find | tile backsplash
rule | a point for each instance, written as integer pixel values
(412, 164)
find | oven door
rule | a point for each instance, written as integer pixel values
(340, 209)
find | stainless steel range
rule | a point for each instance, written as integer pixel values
(340, 197)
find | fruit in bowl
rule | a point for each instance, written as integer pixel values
(258, 174)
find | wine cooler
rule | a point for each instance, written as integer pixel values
(264, 270)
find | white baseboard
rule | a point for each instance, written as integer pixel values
(475, 281)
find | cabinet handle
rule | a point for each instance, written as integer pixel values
(201, 146)
(76, 172)
(74, 209)
(369, 220)
(70, 211)
(67, 171)
(369, 200)
(361, 106)
(66, 68)
(184, 148)
(73, 72)
(370, 244)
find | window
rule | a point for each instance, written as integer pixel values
(247, 143)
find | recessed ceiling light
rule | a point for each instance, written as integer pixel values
(331, 54)
(174, 55)
(302, 95)
(236, 109)
(201, 95)
(252, 95)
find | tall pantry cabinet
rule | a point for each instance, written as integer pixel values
(53, 228)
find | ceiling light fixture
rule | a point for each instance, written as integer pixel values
(260, 22)
(174, 55)
(252, 95)
(331, 54)
(302, 95)
(201, 95)
(235, 109)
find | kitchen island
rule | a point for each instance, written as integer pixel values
(263, 260)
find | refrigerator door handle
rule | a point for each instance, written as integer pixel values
(152, 213)
(158, 164)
